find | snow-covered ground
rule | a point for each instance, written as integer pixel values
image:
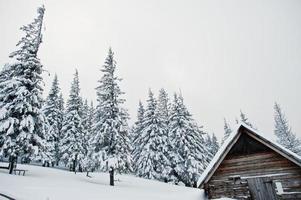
(42, 183)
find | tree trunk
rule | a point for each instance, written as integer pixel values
(11, 164)
(74, 164)
(88, 174)
(195, 184)
(73, 167)
(111, 176)
(187, 185)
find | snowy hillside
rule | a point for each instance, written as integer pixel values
(41, 183)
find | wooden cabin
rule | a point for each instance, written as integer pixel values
(249, 166)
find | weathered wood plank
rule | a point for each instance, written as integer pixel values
(256, 172)
(294, 196)
(260, 162)
(251, 158)
(259, 165)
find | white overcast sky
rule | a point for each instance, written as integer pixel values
(223, 55)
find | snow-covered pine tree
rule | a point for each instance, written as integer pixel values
(4, 74)
(87, 131)
(214, 145)
(88, 163)
(208, 143)
(284, 134)
(111, 142)
(91, 116)
(87, 116)
(54, 113)
(151, 145)
(85, 110)
(227, 130)
(72, 144)
(87, 126)
(136, 131)
(61, 106)
(139, 123)
(164, 112)
(189, 154)
(163, 105)
(22, 123)
(245, 120)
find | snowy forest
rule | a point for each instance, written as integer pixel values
(165, 143)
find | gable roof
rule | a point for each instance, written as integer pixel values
(232, 139)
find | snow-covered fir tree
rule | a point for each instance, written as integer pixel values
(87, 116)
(189, 154)
(215, 144)
(151, 145)
(212, 144)
(111, 142)
(136, 131)
(54, 113)
(87, 125)
(88, 162)
(22, 122)
(91, 115)
(163, 106)
(4, 75)
(87, 122)
(85, 110)
(227, 130)
(245, 120)
(61, 107)
(284, 134)
(73, 142)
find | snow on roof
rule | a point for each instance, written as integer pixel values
(231, 140)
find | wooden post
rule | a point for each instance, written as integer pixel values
(111, 171)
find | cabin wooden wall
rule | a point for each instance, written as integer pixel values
(230, 179)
